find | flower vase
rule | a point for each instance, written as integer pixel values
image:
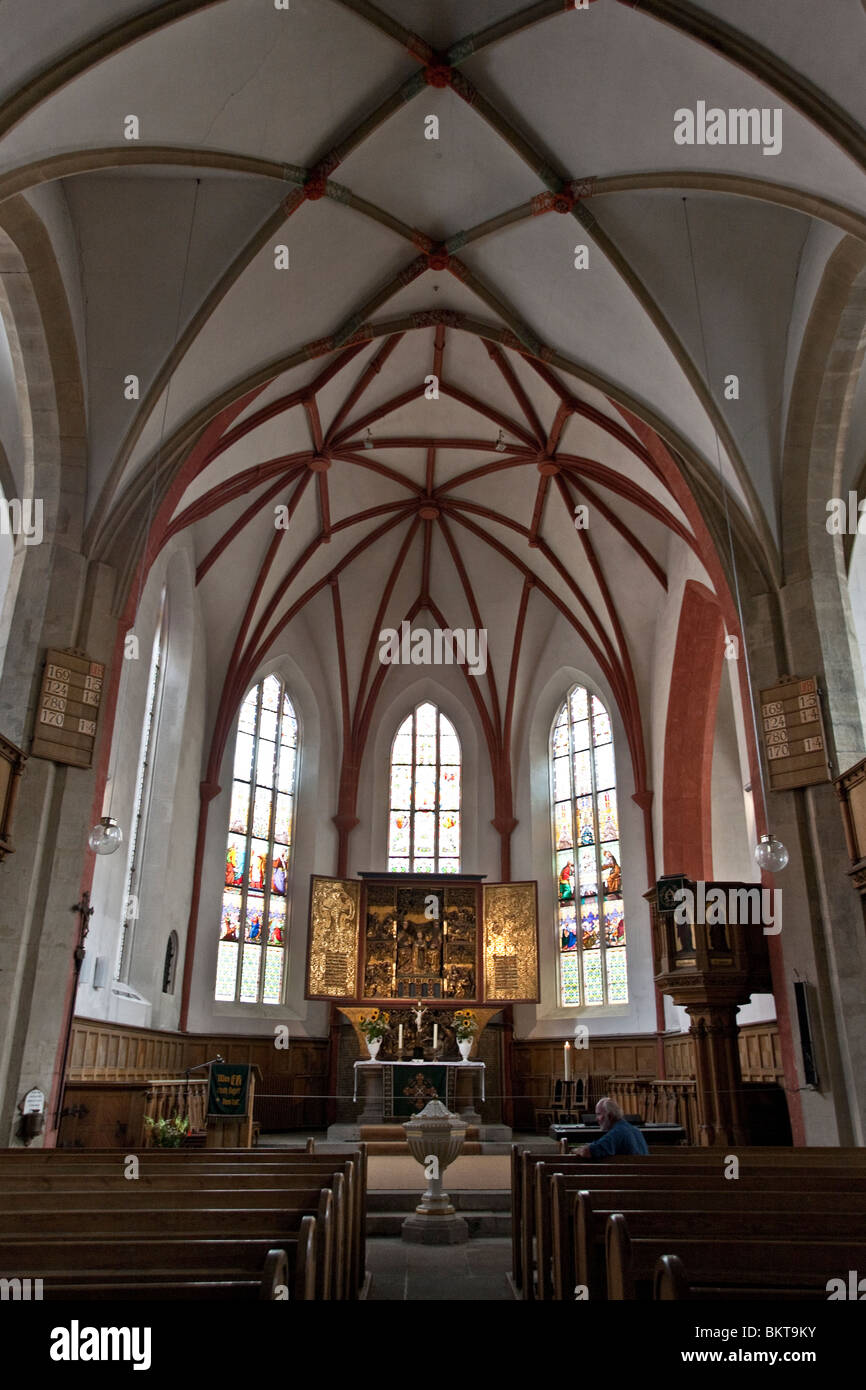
(465, 1047)
(373, 1045)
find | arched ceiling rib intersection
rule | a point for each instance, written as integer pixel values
(453, 519)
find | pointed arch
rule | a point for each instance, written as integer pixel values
(254, 920)
(588, 858)
(425, 794)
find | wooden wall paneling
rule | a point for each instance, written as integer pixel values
(679, 1057)
(761, 1053)
(109, 1052)
(295, 1080)
(112, 1115)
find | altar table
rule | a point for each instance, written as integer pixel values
(461, 1080)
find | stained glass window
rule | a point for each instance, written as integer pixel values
(590, 912)
(252, 940)
(424, 809)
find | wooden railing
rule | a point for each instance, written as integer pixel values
(184, 1098)
(658, 1102)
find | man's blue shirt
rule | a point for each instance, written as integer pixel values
(621, 1138)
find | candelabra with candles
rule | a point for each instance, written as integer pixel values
(418, 1049)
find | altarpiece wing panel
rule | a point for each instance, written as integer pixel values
(511, 943)
(332, 962)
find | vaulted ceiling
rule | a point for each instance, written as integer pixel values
(411, 258)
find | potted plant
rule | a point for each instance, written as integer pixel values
(374, 1026)
(167, 1134)
(465, 1028)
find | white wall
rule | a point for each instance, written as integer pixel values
(314, 851)
(167, 834)
(533, 858)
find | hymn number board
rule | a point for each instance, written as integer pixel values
(68, 708)
(793, 732)
(416, 936)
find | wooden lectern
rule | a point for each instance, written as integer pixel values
(231, 1126)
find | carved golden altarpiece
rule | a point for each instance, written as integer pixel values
(449, 941)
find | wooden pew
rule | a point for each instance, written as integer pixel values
(534, 1209)
(580, 1220)
(257, 1159)
(75, 1179)
(243, 1169)
(727, 1267)
(524, 1197)
(274, 1225)
(755, 1229)
(345, 1261)
(535, 1236)
(169, 1190)
(66, 1266)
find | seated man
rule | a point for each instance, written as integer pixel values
(619, 1136)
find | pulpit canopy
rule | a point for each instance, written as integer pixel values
(710, 938)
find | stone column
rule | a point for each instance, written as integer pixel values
(55, 599)
(374, 1097)
(464, 1093)
(717, 1071)
(822, 939)
(41, 883)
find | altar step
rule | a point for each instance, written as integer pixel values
(376, 1148)
(396, 1134)
(486, 1213)
(384, 1140)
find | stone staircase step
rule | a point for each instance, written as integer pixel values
(405, 1199)
(395, 1134)
(375, 1147)
(480, 1223)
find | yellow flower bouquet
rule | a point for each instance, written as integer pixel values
(373, 1025)
(465, 1024)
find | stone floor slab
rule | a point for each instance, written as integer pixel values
(465, 1273)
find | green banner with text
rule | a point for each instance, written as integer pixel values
(229, 1088)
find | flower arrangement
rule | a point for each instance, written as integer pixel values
(373, 1025)
(167, 1134)
(465, 1025)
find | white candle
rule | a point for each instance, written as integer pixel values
(567, 1053)
(400, 1037)
(435, 1035)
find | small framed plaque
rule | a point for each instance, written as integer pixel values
(68, 708)
(792, 731)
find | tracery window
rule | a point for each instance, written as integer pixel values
(141, 798)
(591, 922)
(424, 807)
(253, 927)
